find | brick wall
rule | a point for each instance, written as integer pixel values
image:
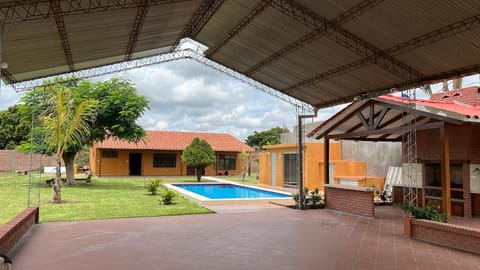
(464, 143)
(350, 199)
(14, 230)
(443, 234)
(13, 161)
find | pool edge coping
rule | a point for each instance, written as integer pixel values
(204, 201)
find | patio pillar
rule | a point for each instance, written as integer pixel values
(445, 171)
(326, 160)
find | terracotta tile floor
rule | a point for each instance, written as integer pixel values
(248, 238)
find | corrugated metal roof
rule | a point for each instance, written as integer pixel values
(320, 52)
(176, 140)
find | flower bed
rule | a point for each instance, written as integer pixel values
(449, 235)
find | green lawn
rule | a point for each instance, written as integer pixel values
(104, 198)
(252, 179)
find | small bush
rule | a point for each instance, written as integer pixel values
(431, 212)
(310, 199)
(168, 196)
(153, 185)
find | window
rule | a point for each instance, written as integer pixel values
(109, 154)
(227, 162)
(290, 176)
(164, 160)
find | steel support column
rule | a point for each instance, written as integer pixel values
(62, 33)
(21, 11)
(314, 35)
(198, 20)
(142, 12)
(417, 42)
(259, 8)
(345, 38)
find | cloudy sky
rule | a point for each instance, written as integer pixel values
(188, 96)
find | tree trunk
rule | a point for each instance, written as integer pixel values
(198, 171)
(57, 183)
(68, 158)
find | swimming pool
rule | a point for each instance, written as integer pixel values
(230, 191)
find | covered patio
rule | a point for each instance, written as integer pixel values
(247, 238)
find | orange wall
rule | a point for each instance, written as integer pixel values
(119, 166)
(313, 153)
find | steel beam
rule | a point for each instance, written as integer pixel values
(164, 58)
(259, 8)
(8, 77)
(142, 12)
(345, 38)
(203, 14)
(417, 42)
(314, 35)
(20, 11)
(62, 33)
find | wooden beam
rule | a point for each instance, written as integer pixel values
(379, 118)
(326, 161)
(363, 120)
(396, 130)
(445, 172)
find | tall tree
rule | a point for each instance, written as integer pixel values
(199, 154)
(267, 137)
(14, 129)
(66, 122)
(119, 106)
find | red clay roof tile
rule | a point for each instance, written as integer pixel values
(176, 140)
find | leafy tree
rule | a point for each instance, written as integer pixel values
(119, 106)
(66, 122)
(14, 129)
(267, 137)
(199, 154)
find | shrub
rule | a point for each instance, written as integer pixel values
(168, 196)
(310, 199)
(316, 200)
(430, 212)
(152, 186)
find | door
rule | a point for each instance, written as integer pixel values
(274, 170)
(290, 172)
(135, 163)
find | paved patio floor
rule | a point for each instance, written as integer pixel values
(261, 238)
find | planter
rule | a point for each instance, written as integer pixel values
(448, 235)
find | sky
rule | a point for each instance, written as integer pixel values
(188, 96)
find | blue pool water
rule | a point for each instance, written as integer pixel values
(229, 191)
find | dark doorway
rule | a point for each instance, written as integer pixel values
(191, 170)
(135, 163)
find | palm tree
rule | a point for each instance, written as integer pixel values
(66, 122)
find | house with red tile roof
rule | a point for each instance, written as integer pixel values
(159, 154)
(446, 141)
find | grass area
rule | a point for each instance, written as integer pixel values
(104, 198)
(252, 179)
